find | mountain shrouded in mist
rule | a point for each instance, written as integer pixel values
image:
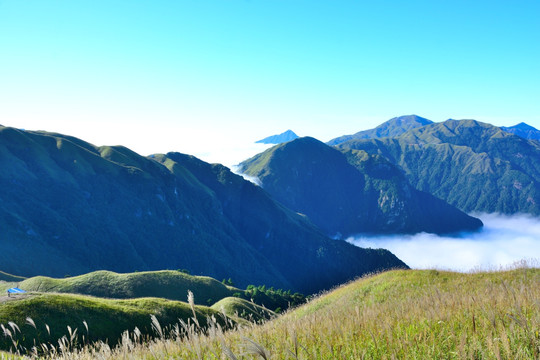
(69, 207)
(351, 192)
(474, 166)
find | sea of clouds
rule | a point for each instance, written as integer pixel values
(503, 241)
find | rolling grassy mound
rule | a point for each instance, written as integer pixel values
(241, 309)
(399, 314)
(106, 319)
(167, 284)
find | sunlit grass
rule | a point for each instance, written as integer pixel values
(426, 314)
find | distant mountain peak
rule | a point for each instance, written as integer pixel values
(405, 119)
(278, 139)
(523, 126)
(523, 130)
(391, 128)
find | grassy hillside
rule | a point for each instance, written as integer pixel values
(166, 284)
(106, 319)
(60, 303)
(241, 309)
(399, 314)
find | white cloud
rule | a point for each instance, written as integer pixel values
(503, 241)
(237, 170)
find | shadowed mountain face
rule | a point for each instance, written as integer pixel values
(472, 165)
(68, 207)
(351, 192)
(391, 128)
(523, 130)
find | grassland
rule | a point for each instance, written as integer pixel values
(57, 315)
(398, 314)
(242, 310)
(167, 284)
(102, 305)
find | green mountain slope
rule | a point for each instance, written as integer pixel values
(391, 128)
(287, 240)
(68, 207)
(473, 166)
(352, 192)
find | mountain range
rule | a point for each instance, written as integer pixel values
(69, 207)
(351, 192)
(474, 166)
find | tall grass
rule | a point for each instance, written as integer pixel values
(401, 314)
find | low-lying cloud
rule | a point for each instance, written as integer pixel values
(238, 171)
(503, 241)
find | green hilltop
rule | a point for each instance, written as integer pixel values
(166, 284)
(107, 319)
(243, 311)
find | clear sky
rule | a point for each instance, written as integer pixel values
(205, 76)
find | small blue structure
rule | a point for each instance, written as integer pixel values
(15, 290)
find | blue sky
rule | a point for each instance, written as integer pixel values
(204, 76)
